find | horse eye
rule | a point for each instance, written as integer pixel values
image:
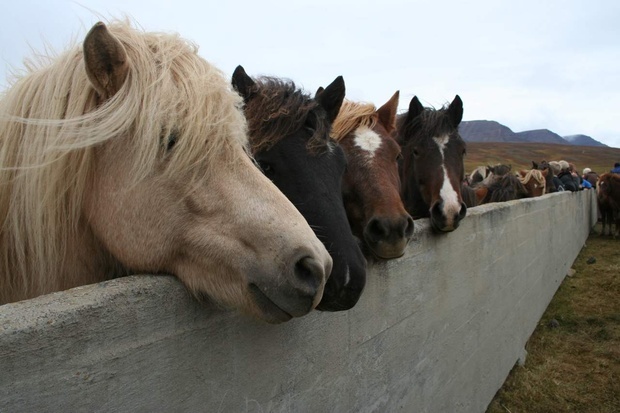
(266, 168)
(416, 152)
(172, 140)
(399, 157)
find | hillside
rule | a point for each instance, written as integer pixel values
(486, 131)
(542, 136)
(492, 131)
(583, 140)
(520, 155)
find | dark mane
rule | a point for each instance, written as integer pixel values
(506, 188)
(428, 123)
(278, 109)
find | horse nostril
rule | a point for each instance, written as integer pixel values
(463, 211)
(377, 229)
(310, 273)
(436, 210)
(409, 227)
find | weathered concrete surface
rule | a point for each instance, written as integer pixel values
(435, 331)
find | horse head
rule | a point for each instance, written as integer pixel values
(432, 168)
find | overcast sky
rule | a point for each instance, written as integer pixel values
(529, 64)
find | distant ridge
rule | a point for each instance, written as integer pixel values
(583, 140)
(542, 136)
(486, 131)
(492, 131)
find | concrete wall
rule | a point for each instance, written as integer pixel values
(436, 331)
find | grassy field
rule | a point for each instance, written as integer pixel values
(521, 155)
(573, 362)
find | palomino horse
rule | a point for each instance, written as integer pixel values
(289, 137)
(371, 183)
(432, 167)
(129, 156)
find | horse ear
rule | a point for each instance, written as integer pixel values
(331, 98)
(319, 91)
(534, 165)
(105, 61)
(455, 111)
(242, 83)
(415, 109)
(387, 113)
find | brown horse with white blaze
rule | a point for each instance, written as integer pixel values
(371, 184)
(432, 167)
(129, 155)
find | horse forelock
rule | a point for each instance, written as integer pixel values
(51, 122)
(427, 125)
(278, 109)
(352, 116)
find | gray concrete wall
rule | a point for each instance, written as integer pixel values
(436, 331)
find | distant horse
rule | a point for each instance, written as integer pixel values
(478, 175)
(129, 156)
(432, 166)
(371, 186)
(608, 197)
(468, 194)
(505, 188)
(534, 181)
(487, 174)
(495, 173)
(549, 181)
(289, 137)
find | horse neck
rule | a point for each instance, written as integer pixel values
(71, 270)
(412, 196)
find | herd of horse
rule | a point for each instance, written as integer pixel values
(131, 154)
(497, 183)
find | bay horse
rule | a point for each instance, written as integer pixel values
(608, 197)
(129, 155)
(371, 185)
(289, 138)
(432, 167)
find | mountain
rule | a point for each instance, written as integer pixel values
(541, 136)
(583, 140)
(492, 131)
(486, 131)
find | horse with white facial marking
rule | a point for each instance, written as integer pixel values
(432, 167)
(129, 155)
(371, 185)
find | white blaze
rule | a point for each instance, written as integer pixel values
(451, 204)
(367, 140)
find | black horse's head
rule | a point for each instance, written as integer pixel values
(289, 138)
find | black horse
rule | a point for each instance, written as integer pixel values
(289, 138)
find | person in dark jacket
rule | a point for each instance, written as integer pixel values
(566, 177)
(616, 169)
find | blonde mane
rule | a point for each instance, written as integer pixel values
(535, 174)
(353, 115)
(51, 126)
